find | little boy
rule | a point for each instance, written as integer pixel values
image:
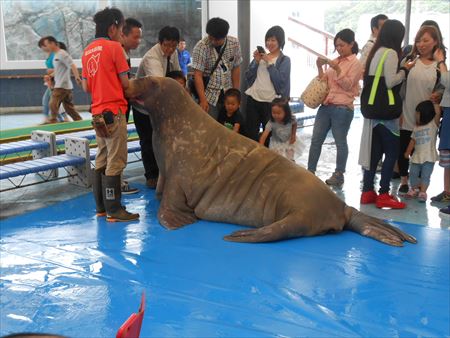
(178, 76)
(230, 116)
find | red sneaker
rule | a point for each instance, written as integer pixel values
(368, 197)
(388, 201)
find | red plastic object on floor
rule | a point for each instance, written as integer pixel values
(132, 327)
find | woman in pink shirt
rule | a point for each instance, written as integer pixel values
(336, 112)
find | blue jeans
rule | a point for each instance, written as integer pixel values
(338, 119)
(46, 102)
(424, 170)
(383, 142)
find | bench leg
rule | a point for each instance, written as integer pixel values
(50, 138)
(80, 174)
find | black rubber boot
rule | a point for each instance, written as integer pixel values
(112, 195)
(97, 190)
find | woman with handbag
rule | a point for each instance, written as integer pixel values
(421, 85)
(381, 134)
(336, 111)
(268, 77)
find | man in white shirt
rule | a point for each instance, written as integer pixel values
(62, 91)
(375, 25)
(161, 59)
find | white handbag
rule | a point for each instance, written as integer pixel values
(315, 93)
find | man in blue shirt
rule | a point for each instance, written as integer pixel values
(184, 58)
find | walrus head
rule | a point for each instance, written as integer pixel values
(163, 98)
(152, 91)
(145, 89)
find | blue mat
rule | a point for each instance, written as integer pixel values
(63, 271)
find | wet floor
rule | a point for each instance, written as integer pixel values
(63, 271)
(66, 272)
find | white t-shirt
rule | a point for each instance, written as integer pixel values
(62, 63)
(425, 147)
(419, 86)
(365, 51)
(262, 89)
(154, 63)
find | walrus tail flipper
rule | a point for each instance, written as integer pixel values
(269, 233)
(375, 228)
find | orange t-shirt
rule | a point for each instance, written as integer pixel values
(103, 61)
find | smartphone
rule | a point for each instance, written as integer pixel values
(261, 49)
(108, 116)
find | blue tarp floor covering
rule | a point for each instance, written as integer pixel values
(64, 271)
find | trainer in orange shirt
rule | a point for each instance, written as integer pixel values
(105, 77)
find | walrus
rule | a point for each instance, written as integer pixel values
(210, 172)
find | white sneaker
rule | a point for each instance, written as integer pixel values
(127, 189)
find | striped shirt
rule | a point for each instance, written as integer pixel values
(204, 57)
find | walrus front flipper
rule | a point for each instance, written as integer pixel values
(174, 212)
(159, 187)
(269, 233)
(375, 228)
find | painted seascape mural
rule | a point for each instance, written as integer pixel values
(71, 22)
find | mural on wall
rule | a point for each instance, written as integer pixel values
(27, 21)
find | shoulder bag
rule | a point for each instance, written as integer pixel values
(377, 101)
(206, 79)
(315, 93)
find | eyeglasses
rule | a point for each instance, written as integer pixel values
(169, 44)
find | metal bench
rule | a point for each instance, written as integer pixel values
(76, 162)
(87, 134)
(41, 144)
(44, 143)
(301, 120)
(297, 107)
(133, 147)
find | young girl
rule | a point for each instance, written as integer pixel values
(283, 127)
(423, 142)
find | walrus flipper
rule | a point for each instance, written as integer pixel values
(174, 212)
(375, 228)
(159, 187)
(268, 233)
